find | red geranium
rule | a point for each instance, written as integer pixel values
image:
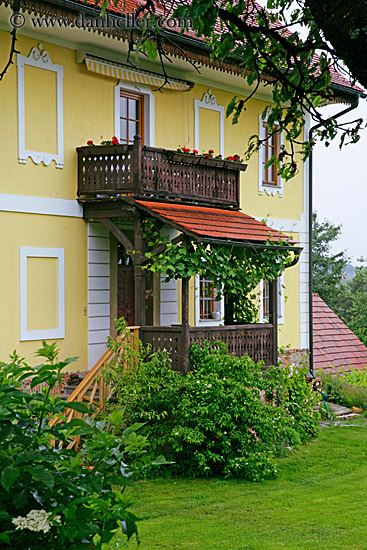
(211, 151)
(90, 142)
(115, 141)
(195, 152)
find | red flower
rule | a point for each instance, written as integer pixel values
(115, 141)
(90, 142)
(195, 152)
(211, 151)
(231, 158)
(207, 155)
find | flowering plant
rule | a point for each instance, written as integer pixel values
(49, 496)
(209, 155)
(113, 141)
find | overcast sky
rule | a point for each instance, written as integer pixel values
(340, 187)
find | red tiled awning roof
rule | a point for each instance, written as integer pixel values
(213, 223)
(335, 345)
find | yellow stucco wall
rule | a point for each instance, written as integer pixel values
(29, 230)
(89, 114)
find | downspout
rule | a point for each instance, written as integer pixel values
(353, 106)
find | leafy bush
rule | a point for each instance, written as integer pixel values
(216, 420)
(49, 495)
(346, 388)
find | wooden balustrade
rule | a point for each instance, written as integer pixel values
(255, 340)
(149, 172)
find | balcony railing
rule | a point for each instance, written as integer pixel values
(255, 340)
(148, 172)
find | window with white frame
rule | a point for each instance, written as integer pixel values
(134, 113)
(208, 308)
(264, 300)
(269, 179)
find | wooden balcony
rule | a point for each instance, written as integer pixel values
(255, 340)
(148, 172)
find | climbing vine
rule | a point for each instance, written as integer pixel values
(235, 271)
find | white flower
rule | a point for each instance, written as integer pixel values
(36, 520)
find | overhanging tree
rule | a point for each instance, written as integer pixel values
(266, 45)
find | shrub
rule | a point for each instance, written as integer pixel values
(214, 420)
(49, 495)
(346, 388)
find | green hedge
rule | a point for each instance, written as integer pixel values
(214, 420)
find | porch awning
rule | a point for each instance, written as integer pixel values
(214, 224)
(123, 72)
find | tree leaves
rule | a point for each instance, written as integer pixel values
(8, 477)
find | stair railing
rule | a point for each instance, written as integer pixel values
(93, 380)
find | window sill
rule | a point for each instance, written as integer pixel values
(210, 322)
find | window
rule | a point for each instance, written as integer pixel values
(270, 148)
(264, 305)
(208, 309)
(131, 116)
(207, 299)
(269, 180)
(266, 299)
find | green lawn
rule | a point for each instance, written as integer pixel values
(318, 501)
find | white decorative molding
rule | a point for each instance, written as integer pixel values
(149, 122)
(41, 334)
(269, 189)
(40, 59)
(25, 204)
(219, 307)
(280, 299)
(208, 101)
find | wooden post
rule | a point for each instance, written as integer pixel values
(136, 164)
(139, 275)
(185, 325)
(228, 310)
(273, 317)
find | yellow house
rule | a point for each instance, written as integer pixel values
(68, 210)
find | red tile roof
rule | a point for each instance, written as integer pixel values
(130, 7)
(214, 223)
(335, 345)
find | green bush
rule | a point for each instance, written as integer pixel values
(49, 495)
(346, 388)
(213, 421)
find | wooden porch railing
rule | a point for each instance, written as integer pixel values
(93, 389)
(255, 340)
(149, 172)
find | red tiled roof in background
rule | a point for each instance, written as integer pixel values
(214, 223)
(335, 345)
(130, 7)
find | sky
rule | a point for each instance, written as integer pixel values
(340, 187)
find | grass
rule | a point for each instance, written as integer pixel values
(318, 502)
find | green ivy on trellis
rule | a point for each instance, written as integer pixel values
(235, 271)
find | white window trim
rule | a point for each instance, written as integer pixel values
(206, 322)
(269, 189)
(147, 93)
(280, 295)
(40, 59)
(41, 334)
(209, 102)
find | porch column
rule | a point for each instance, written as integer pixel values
(273, 317)
(228, 310)
(185, 341)
(139, 274)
